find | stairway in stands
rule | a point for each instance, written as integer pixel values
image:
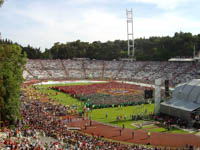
(103, 69)
(30, 73)
(120, 69)
(43, 68)
(184, 71)
(160, 69)
(139, 69)
(83, 67)
(63, 66)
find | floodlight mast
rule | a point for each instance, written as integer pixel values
(130, 37)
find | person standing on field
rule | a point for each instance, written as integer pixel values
(133, 134)
(148, 135)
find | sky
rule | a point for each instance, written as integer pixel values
(41, 23)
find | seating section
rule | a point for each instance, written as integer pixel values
(51, 64)
(27, 75)
(76, 74)
(146, 71)
(93, 69)
(57, 74)
(72, 64)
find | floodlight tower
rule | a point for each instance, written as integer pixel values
(130, 37)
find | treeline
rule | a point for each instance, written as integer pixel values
(153, 48)
(163, 48)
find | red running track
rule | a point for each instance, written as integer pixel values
(140, 136)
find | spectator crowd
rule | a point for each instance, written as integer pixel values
(43, 127)
(146, 71)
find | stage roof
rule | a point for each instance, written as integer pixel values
(186, 96)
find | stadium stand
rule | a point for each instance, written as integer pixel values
(74, 68)
(146, 71)
(94, 68)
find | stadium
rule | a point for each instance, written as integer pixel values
(135, 94)
(98, 104)
(116, 85)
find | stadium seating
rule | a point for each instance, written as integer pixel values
(146, 71)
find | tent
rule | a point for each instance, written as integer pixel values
(185, 100)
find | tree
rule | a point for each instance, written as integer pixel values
(12, 62)
(1, 2)
(32, 53)
(153, 48)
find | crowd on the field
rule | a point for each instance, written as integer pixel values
(148, 71)
(104, 87)
(41, 120)
(106, 94)
(81, 142)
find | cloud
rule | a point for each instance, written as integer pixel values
(102, 26)
(164, 25)
(92, 25)
(163, 4)
(41, 23)
(86, 24)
